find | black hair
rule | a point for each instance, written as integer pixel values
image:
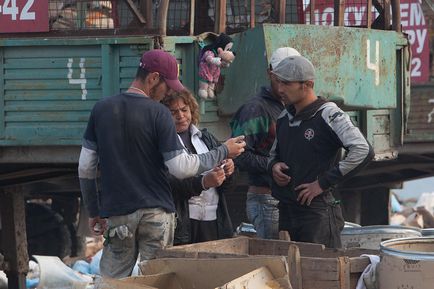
(141, 74)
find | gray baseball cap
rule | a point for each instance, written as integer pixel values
(281, 53)
(295, 68)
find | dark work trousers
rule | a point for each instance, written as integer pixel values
(321, 222)
(202, 231)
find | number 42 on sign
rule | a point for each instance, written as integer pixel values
(10, 7)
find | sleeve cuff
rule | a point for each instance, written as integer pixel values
(270, 166)
(324, 183)
(203, 185)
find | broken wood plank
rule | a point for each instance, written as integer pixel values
(280, 247)
(321, 275)
(314, 284)
(319, 264)
(260, 278)
(344, 272)
(294, 263)
(284, 235)
(358, 264)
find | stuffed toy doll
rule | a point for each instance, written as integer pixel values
(213, 57)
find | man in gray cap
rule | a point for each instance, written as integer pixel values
(257, 121)
(309, 135)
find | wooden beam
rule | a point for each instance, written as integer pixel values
(14, 238)
(162, 17)
(252, 14)
(294, 263)
(339, 6)
(344, 273)
(312, 12)
(282, 11)
(396, 15)
(284, 235)
(192, 16)
(378, 6)
(220, 17)
(146, 9)
(369, 13)
(136, 11)
(387, 16)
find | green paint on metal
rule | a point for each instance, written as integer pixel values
(347, 71)
(247, 73)
(107, 78)
(2, 92)
(377, 124)
(48, 87)
(82, 41)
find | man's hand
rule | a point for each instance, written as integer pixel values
(279, 175)
(228, 167)
(214, 178)
(97, 225)
(235, 146)
(308, 192)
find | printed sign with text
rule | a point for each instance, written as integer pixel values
(412, 20)
(23, 16)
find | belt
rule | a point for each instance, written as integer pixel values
(259, 190)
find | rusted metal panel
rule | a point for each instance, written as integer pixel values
(420, 126)
(355, 67)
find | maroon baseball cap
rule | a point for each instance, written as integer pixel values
(165, 64)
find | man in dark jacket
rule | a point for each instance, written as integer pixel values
(310, 133)
(256, 120)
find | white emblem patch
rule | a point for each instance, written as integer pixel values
(309, 134)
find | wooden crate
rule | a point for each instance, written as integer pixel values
(312, 266)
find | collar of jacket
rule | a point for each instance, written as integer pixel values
(195, 131)
(308, 112)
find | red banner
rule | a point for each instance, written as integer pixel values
(23, 16)
(414, 24)
(412, 20)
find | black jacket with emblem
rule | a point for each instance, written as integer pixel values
(309, 143)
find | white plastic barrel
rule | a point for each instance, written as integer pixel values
(406, 263)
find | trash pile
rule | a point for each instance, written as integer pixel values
(51, 272)
(245, 262)
(413, 212)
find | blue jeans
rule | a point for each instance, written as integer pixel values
(263, 213)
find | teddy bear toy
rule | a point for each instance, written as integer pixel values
(213, 57)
